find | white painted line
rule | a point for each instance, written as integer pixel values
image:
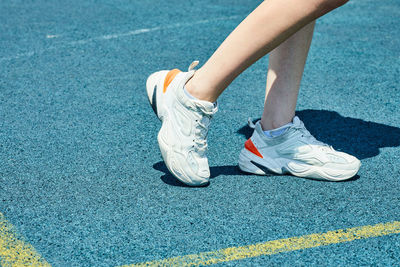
(145, 30)
(51, 36)
(16, 56)
(116, 36)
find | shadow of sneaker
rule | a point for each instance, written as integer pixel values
(168, 178)
(216, 171)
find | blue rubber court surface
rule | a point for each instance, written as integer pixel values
(82, 182)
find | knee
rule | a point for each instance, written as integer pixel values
(325, 6)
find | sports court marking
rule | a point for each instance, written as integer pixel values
(51, 36)
(278, 246)
(114, 36)
(14, 251)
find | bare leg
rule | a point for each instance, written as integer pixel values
(271, 23)
(286, 65)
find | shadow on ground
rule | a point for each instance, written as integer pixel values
(214, 171)
(360, 138)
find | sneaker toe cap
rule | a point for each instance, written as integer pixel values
(188, 176)
(344, 161)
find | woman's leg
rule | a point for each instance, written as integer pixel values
(271, 23)
(291, 149)
(286, 65)
(185, 120)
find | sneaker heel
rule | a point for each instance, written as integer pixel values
(152, 87)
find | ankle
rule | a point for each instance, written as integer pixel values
(268, 124)
(194, 88)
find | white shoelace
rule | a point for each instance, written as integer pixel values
(201, 135)
(310, 138)
(202, 125)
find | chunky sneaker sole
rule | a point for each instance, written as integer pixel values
(185, 122)
(297, 153)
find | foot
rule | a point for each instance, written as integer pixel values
(295, 152)
(185, 122)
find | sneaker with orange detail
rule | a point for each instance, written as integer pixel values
(185, 122)
(295, 152)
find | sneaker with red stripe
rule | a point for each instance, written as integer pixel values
(295, 152)
(185, 122)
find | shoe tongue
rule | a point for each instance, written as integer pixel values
(296, 121)
(206, 107)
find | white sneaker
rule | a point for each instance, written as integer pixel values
(295, 152)
(185, 122)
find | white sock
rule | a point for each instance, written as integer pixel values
(188, 94)
(192, 97)
(278, 131)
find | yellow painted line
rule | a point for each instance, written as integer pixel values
(279, 246)
(14, 251)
